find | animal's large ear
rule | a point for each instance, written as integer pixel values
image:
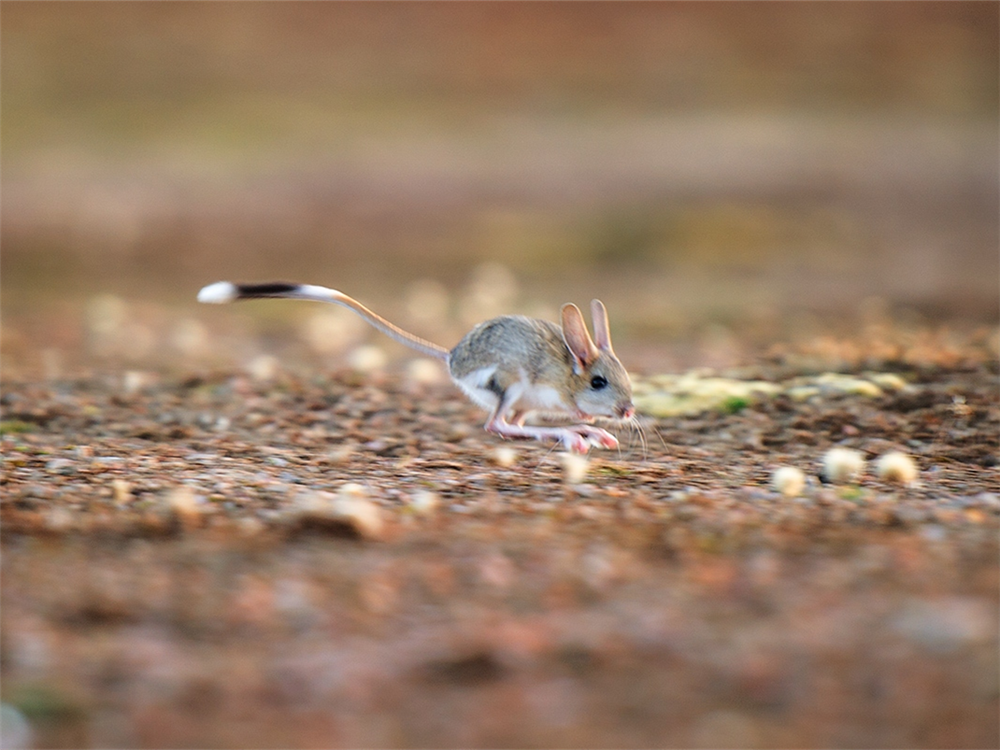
(575, 335)
(602, 332)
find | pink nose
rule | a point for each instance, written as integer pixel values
(628, 412)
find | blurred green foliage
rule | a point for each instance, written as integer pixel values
(46, 705)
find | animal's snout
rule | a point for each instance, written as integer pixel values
(626, 410)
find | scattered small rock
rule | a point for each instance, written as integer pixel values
(896, 467)
(843, 465)
(833, 382)
(425, 502)
(575, 467)
(61, 466)
(367, 359)
(789, 481)
(504, 456)
(121, 491)
(425, 371)
(134, 381)
(340, 454)
(888, 380)
(348, 512)
(263, 367)
(183, 503)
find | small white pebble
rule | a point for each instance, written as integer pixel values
(860, 387)
(60, 466)
(309, 502)
(349, 507)
(424, 502)
(505, 456)
(896, 467)
(364, 516)
(366, 359)
(263, 367)
(182, 499)
(574, 467)
(134, 381)
(889, 380)
(959, 408)
(352, 491)
(353, 506)
(184, 504)
(789, 481)
(425, 371)
(121, 490)
(843, 465)
(59, 519)
(341, 454)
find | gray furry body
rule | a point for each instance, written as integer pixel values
(515, 343)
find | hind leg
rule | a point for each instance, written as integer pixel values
(571, 437)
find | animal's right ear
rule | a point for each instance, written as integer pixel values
(577, 338)
(602, 331)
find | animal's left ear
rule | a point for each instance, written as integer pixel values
(577, 339)
(602, 332)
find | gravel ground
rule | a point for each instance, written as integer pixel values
(215, 560)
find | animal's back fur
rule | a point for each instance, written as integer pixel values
(520, 347)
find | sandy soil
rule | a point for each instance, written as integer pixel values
(345, 560)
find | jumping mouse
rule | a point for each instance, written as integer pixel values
(511, 365)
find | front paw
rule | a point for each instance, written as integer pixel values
(607, 440)
(576, 442)
(604, 440)
(597, 437)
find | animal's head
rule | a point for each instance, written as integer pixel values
(600, 385)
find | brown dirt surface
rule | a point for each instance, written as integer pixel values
(344, 560)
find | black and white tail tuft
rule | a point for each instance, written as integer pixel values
(218, 293)
(222, 292)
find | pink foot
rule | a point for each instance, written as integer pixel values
(596, 436)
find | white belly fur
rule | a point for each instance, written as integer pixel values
(543, 398)
(521, 396)
(474, 386)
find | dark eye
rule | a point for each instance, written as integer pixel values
(597, 382)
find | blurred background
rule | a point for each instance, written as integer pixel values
(739, 182)
(726, 173)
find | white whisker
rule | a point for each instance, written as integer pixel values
(542, 460)
(641, 432)
(658, 435)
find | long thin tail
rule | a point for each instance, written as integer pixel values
(223, 291)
